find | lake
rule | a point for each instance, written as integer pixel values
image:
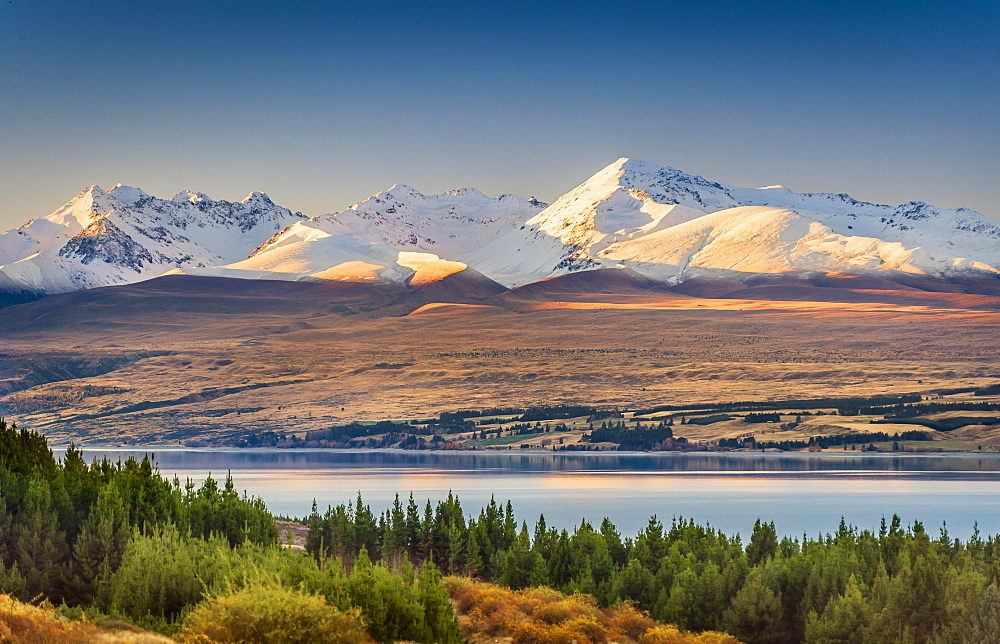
(800, 492)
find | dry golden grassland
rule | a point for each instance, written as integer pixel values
(138, 364)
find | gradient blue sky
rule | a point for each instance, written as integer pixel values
(320, 104)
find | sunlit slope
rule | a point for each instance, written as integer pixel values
(668, 224)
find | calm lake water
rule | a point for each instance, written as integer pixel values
(801, 493)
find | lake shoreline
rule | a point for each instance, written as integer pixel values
(800, 491)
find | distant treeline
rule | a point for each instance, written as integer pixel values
(558, 411)
(707, 420)
(521, 414)
(343, 433)
(848, 404)
(762, 417)
(420, 434)
(824, 441)
(943, 424)
(922, 408)
(890, 403)
(636, 438)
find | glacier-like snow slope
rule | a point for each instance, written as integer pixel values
(399, 235)
(451, 224)
(321, 256)
(666, 224)
(124, 235)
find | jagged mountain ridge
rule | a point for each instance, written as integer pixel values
(124, 235)
(661, 222)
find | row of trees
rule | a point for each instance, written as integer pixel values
(635, 438)
(846, 406)
(919, 409)
(65, 524)
(943, 424)
(827, 441)
(895, 584)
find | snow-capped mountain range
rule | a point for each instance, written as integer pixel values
(658, 221)
(124, 235)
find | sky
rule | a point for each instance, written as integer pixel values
(321, 104)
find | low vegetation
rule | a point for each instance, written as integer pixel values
(541, 615)
(21, 622)
(272, 614)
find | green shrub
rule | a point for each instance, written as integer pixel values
(265, 614)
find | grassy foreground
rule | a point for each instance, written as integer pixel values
(21, 622)
(262, 614)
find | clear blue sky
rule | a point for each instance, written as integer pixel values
(320, 104)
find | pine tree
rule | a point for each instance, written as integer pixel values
(763, 542)
(12, 582)
(614, 542)
(473, 558)
(39, 546)
(314, 538)
(99, 548)
(412, 536)
(364, 529)
(756, 613)
(561, 565)
(636, 583)
(844, 619)
(440, 623)
(985, 628)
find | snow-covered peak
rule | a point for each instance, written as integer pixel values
(629, 198)
(400, 190)
(81, 211)
(468, 192)
(190, 196)
(127, 194)
(257, 197)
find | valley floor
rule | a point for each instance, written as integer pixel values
(184, 359)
